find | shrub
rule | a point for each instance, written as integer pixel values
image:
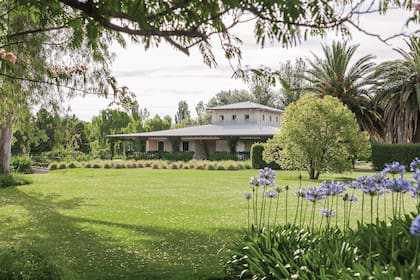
(21, 164)
(131, 165)
(62, 166)
(88, 165)
(53, 166)
(72, 165)
(10, 180)
(218, 156)
(155, 166)
(107, 165)
(118, 165)
(384, 153)
(257, 160)
(147, 164)
(186, 166)
(178, 156)
(96, 165)
(140, 164)
(174, 166)
(29, 263)
(220, 167)
(211, 166)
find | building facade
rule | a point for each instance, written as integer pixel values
(234, 128)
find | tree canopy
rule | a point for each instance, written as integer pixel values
(318, 135)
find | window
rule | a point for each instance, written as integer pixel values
(270, 118)
(246, 117)
(221, 117)
(277, 119)
(161, 146)
(185, 146)
(233, 117)
(263, 117)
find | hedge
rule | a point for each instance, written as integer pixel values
(174, 156)
(257, 150)
(386, 153)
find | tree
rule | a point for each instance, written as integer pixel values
(183, 112)
(398, 94)
(40, 31)
(317, 134)
(203, 117)
(157, 123)
(228, 97)
(292, 82)
(263, 93)
(334, 74)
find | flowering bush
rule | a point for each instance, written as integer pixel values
(383, 244)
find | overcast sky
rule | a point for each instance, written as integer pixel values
(161, 77)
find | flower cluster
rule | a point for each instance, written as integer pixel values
(373, 185)
(394, 168)
(9, 56)
(398, 185)
(315, 194)
(415, 164)
(327, 213)
(332, 187)
(271, 194)
(415, 226)
(265, 178)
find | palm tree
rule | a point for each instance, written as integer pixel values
(335, 75)
(398, 94)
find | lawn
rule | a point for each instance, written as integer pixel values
(134, 223)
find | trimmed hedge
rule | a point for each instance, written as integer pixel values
(218, 156)
(257, 150)
(174, 156)
(386, 153)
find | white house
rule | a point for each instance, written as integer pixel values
(245, 122)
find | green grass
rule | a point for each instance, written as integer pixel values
(134, 223)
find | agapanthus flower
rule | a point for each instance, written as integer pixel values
(271, 194)
(415, 226)
(327, 213)
(398, 185)
(248, 196)
(394, 168)
(358, 183)
(351, 198)
(416, 175)
(415, 164)
(314, 194)
(415, 189)
(278, 189)
(266, 177)
(301, 192)
(374, 185)
(332, 188)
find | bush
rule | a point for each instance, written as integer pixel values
(72, 165)
(178, 156)
(218, 156)
(29, 263)
(385, 153)
(10, 180)
(21, 164)
(257, 161)
(53, 166)
(107, 165)
(62, 166)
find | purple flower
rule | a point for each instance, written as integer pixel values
(415, 226)
(415, 164)
(271, 194)
(415, 189)
(416, 175)
(394, 168)
(398, 185)
(301, 192)
(266, 177)
(327, 213)
(314, 194)
(351, 198)
(374, 185)
(358, 183)
(332, 188)
(253, 182)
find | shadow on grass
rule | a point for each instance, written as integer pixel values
(97, 249)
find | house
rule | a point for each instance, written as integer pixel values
(235, 126)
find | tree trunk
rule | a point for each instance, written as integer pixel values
(5, 147)
(416, 136)
(312, 173)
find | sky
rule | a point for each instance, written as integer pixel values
(161, 77)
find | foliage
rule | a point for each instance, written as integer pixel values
(26, 263)
(292, 82)
(220, 155)
(336, 75)
(257, 151)
(229, 97)
(317, 135)
(397, 87)
(158, 123)
(183, 112)
(11, 180)
(384, 153)
(21, 164)
(375, 248)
